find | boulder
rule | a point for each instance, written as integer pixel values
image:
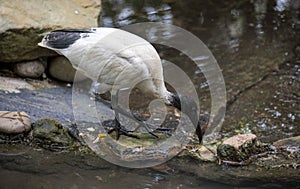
(49, 133)
(32, 69)
(14, 122)
(24, 23)
(60, 68)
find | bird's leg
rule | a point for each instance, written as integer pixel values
(104, 102)
(118, 110)
(130, 116)
(118, 128)
(145, 125)
(99, 96)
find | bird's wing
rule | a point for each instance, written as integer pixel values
(109, 55)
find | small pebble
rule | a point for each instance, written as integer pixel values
(91, 129)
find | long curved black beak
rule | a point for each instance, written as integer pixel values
(178, 100)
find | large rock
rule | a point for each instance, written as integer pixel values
(24, 23)
(61, 68)
(240, 148)
(32, 69)
(50, 133)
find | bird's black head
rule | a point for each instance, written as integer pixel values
(188, 106)
(62, 39)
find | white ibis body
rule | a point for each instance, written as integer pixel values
(118, 59)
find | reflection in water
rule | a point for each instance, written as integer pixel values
(281, 5)
(248, 38)
(260, 9)
(295, 10)
(281, 113)
(216, 23)
(120, 13)
(235, 24)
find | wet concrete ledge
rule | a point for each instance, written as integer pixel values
(278, 168)
(53, 103)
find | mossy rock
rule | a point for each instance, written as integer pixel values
(240, 148)
(49, 133)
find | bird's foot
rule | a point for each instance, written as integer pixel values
(120, 130)
(166, 131)
(145, 126)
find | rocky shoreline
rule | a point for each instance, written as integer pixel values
(240, 159)
(19, 51)
(259, 143)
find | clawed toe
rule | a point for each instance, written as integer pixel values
(120, 130)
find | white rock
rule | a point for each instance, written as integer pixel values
(14, 122)
(238, 140)
(32, 69)
(91, 129)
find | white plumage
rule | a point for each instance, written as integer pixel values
(117, 59)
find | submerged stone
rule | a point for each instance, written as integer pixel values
(291, 141)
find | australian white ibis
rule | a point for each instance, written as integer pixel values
(117, 59)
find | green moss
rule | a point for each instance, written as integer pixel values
(244, 152)
(50, 133)
(12, 51)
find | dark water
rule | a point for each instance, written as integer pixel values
(27, 167)
(253, 42)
